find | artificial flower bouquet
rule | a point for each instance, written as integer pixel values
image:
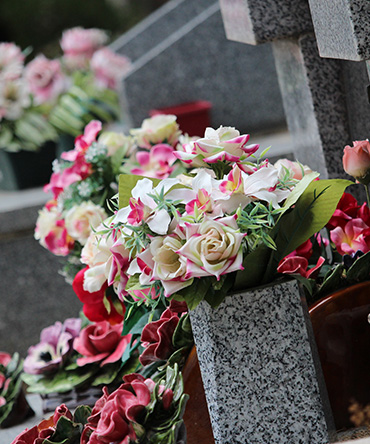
(83, 84)
(225, 225)
(86, 178)
(22, 124)
(14, 407)
(45, 98)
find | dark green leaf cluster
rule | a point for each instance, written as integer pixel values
(164, 426)
(11, 391)
(68, 431)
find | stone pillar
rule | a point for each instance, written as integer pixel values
(324, 100)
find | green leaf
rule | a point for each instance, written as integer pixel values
(126, 183)
(195, 293)
(360, 269)
(298, 190)
(132, 316)
(183, 335)
(81, 414)
(332, 281)
(66, 432)
(310, 214)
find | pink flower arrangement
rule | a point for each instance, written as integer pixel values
(79, 45)
(45, 79)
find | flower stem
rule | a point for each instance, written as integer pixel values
(367, 194)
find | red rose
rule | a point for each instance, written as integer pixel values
(101, 342)
(94, 308)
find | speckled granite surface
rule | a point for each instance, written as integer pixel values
(351, 21)
(258, 370)
(315, 104)
(253, 22)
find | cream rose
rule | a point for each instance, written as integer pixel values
(157, 129)
(81, 219)
(115, 141)
(213, 247)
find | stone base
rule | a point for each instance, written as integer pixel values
(260, 376)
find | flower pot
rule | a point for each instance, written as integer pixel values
(342, 333)
(26, 169)
(260, 368)
(192, 117)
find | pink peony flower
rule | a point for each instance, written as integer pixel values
(354, 236)
(79, 45)
(298, 265)
(356, 159)
(156, 336)
(155, 163)
(45, 79)
(109, 68)
(11, 61)
(101, 342)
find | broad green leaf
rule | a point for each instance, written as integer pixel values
(360, 269)
(298, 190)
(333, 281)
(132, 316)
(309, 215)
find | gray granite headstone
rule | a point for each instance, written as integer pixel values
(342, 28)
(253, 22)
(260, 371)
(325, 100)
(180, 54)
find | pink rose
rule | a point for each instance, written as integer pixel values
(356, 159)
(353, 236)
(101, 342)
(156, 163)
(45, 79)
(109, 68)
(80, 44)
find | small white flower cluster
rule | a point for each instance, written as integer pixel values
(95, 151)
